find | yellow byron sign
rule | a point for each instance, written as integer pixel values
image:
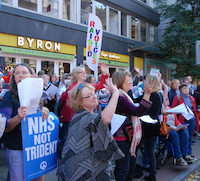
(36, 44)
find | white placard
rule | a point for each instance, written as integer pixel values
(154, 71)
(148, 119)
(180, 126)
(30, 92)
(189, 114)
(180, 109)
(116, 122)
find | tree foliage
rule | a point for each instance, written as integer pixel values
(180, 35)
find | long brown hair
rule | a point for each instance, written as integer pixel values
(13, 85)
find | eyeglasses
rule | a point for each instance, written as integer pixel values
(129, 81)
(83, 72)
(91, 96)
(167, 99)
(23, 73)
(80, 87)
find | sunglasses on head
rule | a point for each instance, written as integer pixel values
(80, 87)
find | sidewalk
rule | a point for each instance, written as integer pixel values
(166, 173)
(176, 173)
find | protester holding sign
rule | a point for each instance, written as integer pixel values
(15, 113)
(189, 101)
(89, 146)
(78, 76)
(129, 134)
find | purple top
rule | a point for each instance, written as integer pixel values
(125, 107)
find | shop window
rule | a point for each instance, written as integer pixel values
(113, 21)
(101, 13)
(112, 71)
(48, 67)
(88, 70)
(134, 28)
(69, 10)
(151, 3)
(143, 31)
(86, 8)
(123, 24)
(31, 63)
(50, 7)
(63, 68)
(144, 1)
(66, 9)
(149, 67)
(151, 33)
(28, 4)
(7, 2)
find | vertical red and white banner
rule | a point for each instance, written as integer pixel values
(93, 42)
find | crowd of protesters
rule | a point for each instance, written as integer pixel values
(85, 108)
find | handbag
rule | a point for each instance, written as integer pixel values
(164, 128)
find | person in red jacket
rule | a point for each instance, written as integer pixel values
(178, 136)
(191, 103)
(78, 77)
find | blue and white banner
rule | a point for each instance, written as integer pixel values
(40, 141)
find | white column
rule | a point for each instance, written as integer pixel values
(119, 22)
(38, 66)
(107, 18)
(39, 6)
(60, 8)
(56, 67)
(78, 11)
(128, 26)
(18, 60)
(15, 3)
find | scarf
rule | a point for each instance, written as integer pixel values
(137, 131)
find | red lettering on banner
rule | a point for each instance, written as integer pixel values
(96, 38)
(92, 24)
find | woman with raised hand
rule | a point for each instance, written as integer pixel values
(78, 76)
(129, 134)
(89, 148)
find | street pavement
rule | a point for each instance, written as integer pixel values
(168, 172)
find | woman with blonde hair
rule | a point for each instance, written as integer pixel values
(89, 147)
(78, 77)
(129, 134)
(151, 131)
(174, 90)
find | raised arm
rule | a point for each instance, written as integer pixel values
(109, 110)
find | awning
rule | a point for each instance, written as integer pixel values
(149, 47)
(29, 52)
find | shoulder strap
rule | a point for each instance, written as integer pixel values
(179, 97)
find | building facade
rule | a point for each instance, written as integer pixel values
(51, 34)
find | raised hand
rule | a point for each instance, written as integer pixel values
(109, 85)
